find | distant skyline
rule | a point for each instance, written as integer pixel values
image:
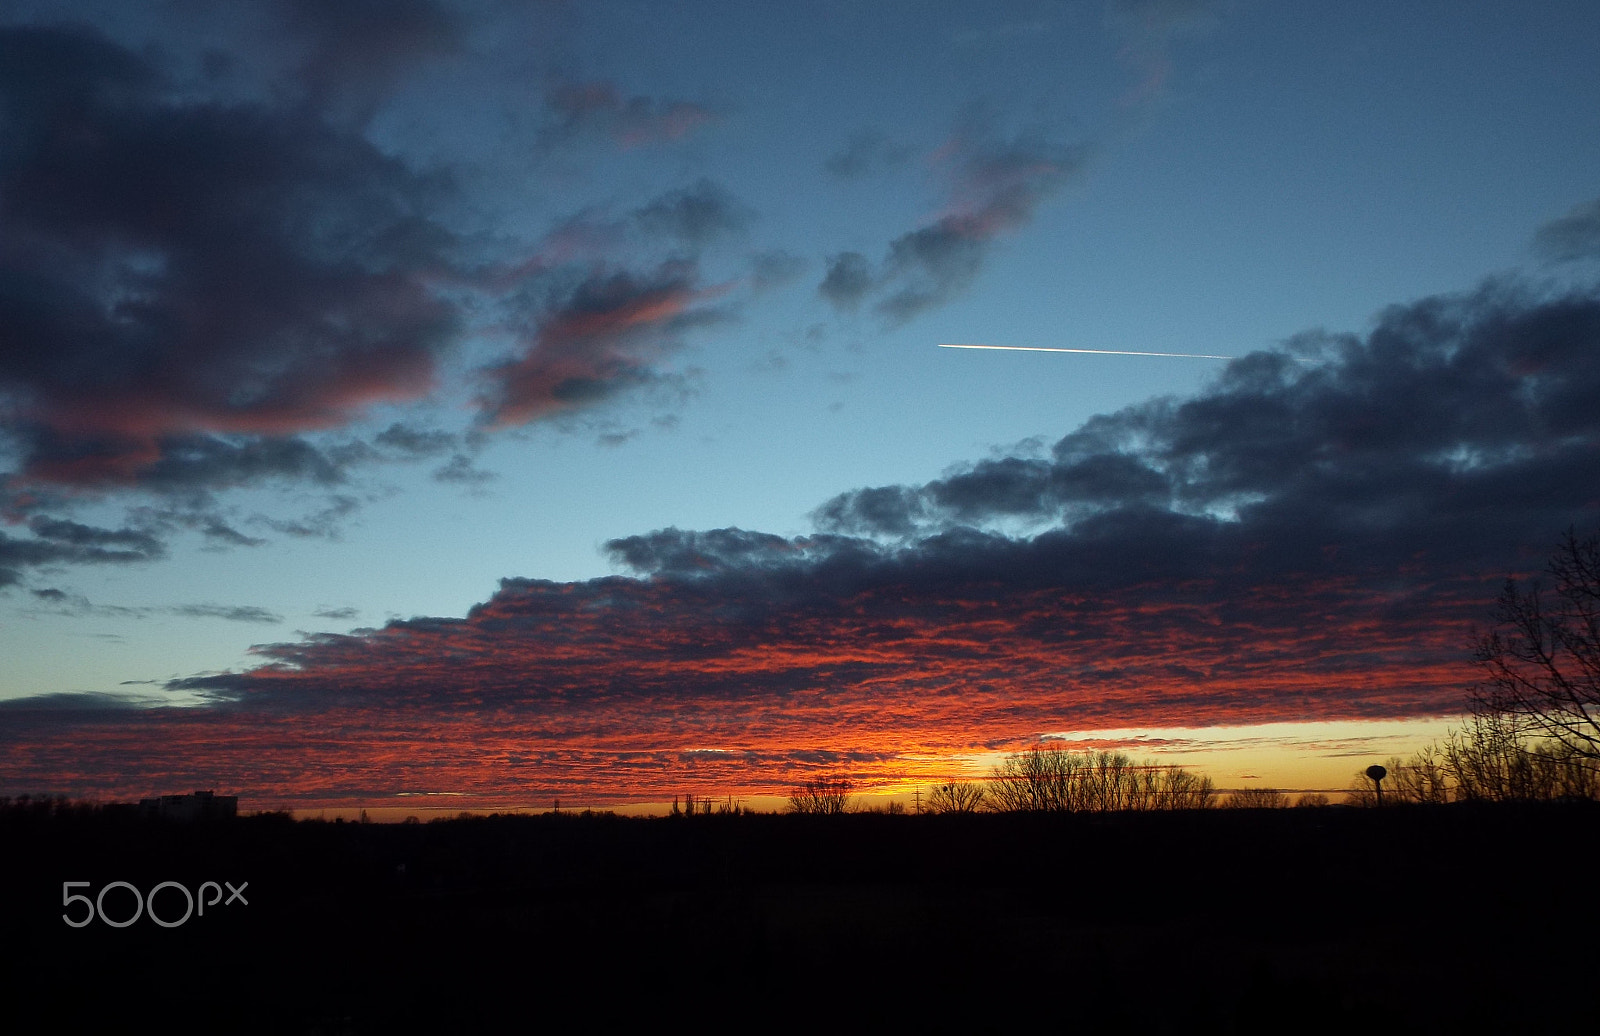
(495, 402)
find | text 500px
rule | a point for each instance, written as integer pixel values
(209, 894)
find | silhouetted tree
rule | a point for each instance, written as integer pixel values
(1171, 787)
(1493, 758)
(1543, 657)
(1039, 780)
(1057, 780)
(827, 796)
(956, 797)
(1422, 779)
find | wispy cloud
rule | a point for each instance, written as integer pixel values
(993, 187)
(592, 339)
(599, 107)
(1572, 237)
(62, 602)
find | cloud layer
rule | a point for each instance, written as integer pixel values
(1304, 540)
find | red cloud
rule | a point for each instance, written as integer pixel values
(740, 684)
(601, 338)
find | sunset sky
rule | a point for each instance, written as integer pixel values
(477, 404)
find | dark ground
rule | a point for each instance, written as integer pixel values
(1407, 920)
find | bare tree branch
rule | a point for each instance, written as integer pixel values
(1543, 658)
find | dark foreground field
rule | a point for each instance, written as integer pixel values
(1403, 920)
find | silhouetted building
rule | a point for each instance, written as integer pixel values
(202, 805)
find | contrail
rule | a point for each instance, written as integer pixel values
(1095, 352)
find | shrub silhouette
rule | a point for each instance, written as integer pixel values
(1256, 798)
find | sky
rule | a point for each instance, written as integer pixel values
(478, 404)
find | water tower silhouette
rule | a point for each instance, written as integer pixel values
(1377, 773)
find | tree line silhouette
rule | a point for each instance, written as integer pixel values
(1494, 757)
(1040, 780)
(1533, 732)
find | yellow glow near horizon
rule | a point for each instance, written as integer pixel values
(1295, 758)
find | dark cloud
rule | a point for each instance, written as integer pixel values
(219, 532)
(324, 523)
(865, 152)
(232, 613)
(62, 542)
(998, 187)
(594, 339)
(175, 270)
(461, 471)
(686, 220)
(63, 603)
(198, 516)
(688, 554)
(695, 215)
(1008, 487)
(416, 442)
(1460, 410)
(60, 602)
(774, 269)
(1572, 237)
(932, 264)
(847, 281)
(136, 541)
(200, 463)
(355, 50)
(187, 471)
(995, 187)
(89, 703)
(599, 108)
(194, 290)
(336, 613)
(883, 510)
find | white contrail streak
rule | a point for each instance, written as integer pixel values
(1095, 352)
